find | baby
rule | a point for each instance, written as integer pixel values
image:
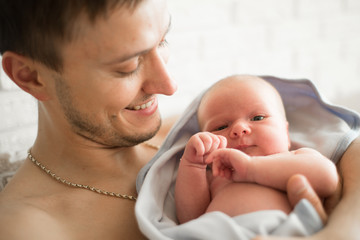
(245, 142)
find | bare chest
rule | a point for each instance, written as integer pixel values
(79, 216)
(101, 218)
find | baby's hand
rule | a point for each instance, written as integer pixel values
(231, 164)
(201, 145)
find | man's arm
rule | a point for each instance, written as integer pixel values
(346, 214)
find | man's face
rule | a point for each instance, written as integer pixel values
(112, 73)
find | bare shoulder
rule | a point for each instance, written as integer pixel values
(20, 221)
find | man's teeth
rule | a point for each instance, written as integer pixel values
(143, 106)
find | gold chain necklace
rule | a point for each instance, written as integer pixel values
(87, 187)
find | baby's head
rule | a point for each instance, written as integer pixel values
(249, 112)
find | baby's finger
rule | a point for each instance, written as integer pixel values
(216, 143)
(199, 145)
(208, 142)
(223, 141)
(215, 167)
(227, 173)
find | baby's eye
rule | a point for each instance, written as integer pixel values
(258, 118)
(220, 128)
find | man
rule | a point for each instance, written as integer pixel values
(97, 102)
(95, 67)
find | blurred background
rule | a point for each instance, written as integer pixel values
(211, 39)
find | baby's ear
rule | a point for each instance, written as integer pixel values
(22, 71)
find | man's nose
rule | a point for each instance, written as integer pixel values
(157, 78)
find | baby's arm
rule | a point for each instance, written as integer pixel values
(275, 170)
(192, 194)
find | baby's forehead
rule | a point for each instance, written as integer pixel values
(236, 88)
(240, 84)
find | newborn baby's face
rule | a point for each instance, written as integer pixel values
(248, 113)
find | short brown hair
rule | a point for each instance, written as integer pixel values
(38, 28)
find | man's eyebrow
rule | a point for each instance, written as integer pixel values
(130, 56)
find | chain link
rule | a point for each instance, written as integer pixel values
(71, 184)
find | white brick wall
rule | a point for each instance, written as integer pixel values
(210, 39)
(318, 40)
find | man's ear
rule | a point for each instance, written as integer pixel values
(22, 72)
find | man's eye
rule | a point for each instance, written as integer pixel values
(258, 118)
(128, 74)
